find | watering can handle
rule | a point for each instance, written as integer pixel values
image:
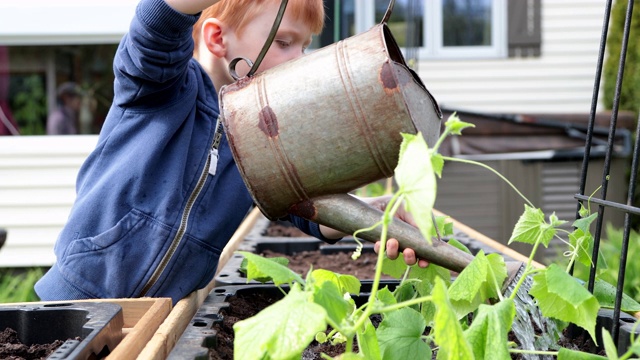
(387, 13)
(348, 214)
(267, 44)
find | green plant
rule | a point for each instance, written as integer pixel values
(630, 91)
(467, 318)
(30, 106)
(609, 261)
(17, 286)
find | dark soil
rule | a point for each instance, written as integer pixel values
(242, 307)
(363, 268)
(12, 349)
(340, 262)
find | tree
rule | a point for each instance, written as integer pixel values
(630, 92)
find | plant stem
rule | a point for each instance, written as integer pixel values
(526, 269)
(392, 207)
(533, 352)
(466, 161)
(404, 304)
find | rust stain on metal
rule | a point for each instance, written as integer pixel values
(305, 209)
(268, 122)
(239, 84)
(387, 77)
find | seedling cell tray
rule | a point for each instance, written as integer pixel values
(199, 338)
(89, 330)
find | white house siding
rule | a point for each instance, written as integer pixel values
(37, 189)
(561, 80)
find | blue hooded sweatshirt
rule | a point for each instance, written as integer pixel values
(153, 209)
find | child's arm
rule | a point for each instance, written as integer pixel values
(190, 7)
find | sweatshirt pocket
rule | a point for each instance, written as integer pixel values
(193, 267)
(115, 263)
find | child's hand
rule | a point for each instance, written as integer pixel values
(392, 244)
(408, 254)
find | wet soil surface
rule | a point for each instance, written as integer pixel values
(12, 349)
(341, 262)
(337, 261)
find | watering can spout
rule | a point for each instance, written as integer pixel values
(347, 214)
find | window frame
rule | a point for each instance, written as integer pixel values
(432, 28)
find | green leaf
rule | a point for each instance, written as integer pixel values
(346, 283)
(568, 354)
(448, 332)
(532, 228)
(385, 296)
(488, 332)
(259, 267)
(416, 179)
(280, 260)
(454, 125)
(437, 161)
(280, 331)
(560, 296)
(405, 291)
(444, 228)
(606, 295)
(330, 298)
(351, 356)
(400, 335)
(368, 342)
(394, 268)
(582, 243)
(457, 244)
(584, 223)
(477, 283)
(609, 345)
(427, 277)
(424, 286)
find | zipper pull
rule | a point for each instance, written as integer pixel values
(213, 161)
(213, 153)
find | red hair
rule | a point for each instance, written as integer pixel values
(237, 13)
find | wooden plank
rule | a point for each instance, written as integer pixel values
(148, 318)
(174, 325)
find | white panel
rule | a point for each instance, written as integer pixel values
(560, 81)
(37, 190)
(64, 22)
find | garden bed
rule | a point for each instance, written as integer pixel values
(210, 334)
(281, 239)
(60, 331)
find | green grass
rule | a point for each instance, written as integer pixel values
(16, 285)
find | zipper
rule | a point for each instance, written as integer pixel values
(185, 214)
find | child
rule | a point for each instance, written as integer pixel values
(154, 209)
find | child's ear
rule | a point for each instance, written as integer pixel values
(212, 31)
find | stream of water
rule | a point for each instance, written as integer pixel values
(528, 318)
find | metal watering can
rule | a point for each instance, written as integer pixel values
(307, 132)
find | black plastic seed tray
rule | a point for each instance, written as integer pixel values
(230, 273)
(627, 328)
(199, 338)
(90, 330)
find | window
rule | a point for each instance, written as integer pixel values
(432, 29)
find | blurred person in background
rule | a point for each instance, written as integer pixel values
(64, 119)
